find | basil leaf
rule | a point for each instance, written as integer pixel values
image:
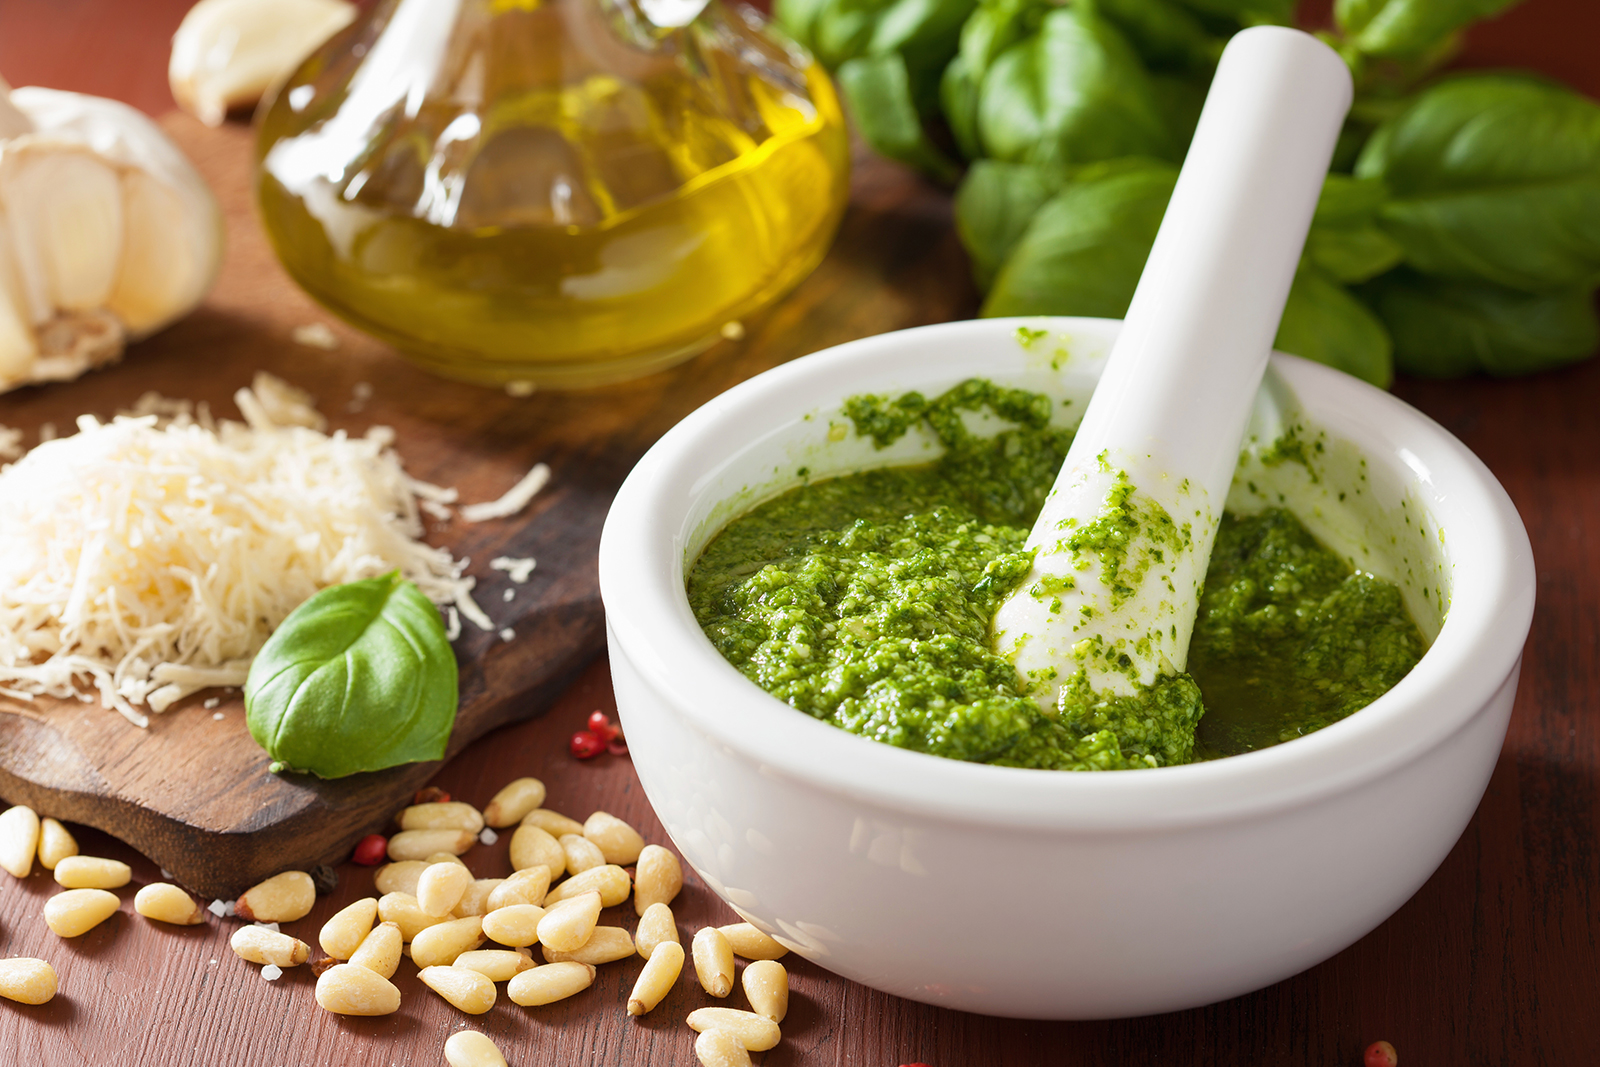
(924, 32)
(1245, 12)
(1073, 93)
(358, 678)
(1445, 329)
(995, 26)
(878, 92)
(1494, 178)
(1085, 249)
(1399, 29)
(1324, 321)
(994, 207)
(1345, 240)
(1166, 35)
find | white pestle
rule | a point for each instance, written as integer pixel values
(1114, 589)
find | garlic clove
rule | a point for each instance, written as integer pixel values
(227, 53)
(166, 255)
(74, 342)
(65, 207)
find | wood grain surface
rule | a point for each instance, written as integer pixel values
(1493, 962)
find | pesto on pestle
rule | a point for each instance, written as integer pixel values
(866, 601)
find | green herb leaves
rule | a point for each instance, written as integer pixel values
(358, 678)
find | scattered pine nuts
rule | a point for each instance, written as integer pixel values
(442, 857)
(751, 944)
(399, 877)
(441, 815)
(513, 802)
(533, 847)
(619, 842)
(582, 854)
(475, 901)
(166, 903)
(343, 934)
(77, 911)
(496, 964)
(718, 1048)
(438, 946)
(55, 844)
(610, 881)
(552, 822)
(441, 886)
(92, 872)
(466, 989)
(27, 980)
(658, 878)
(524, 887)
(550, 983)
(280, 899)
(713, 961)
(380, 950)
(468, 1048)
(568, 924)
(420, 844)
(516, 925)
(757, 1033)
(657, 978)
(347, 989)
(605, 945)
(19, 840)
(656, 926)
(257, 944)
(766, 986)
(403, 910)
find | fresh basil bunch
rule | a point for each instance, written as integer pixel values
(1459, 233)
(358, 678)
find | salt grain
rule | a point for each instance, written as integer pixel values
(213, 702)
(219, 908)
(218, 715)
(272, 972)
(269, 926)
(509, 595)
(315, 335)
(488, 836)
(507, 634)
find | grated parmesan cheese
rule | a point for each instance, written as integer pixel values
(515, 499)
(517, 568)
(151, 556)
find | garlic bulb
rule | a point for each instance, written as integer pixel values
(228, 53)
(107, 233)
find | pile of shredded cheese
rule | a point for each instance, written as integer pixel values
(151, 556)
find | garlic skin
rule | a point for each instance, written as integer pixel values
(107, 233)
(229, 53)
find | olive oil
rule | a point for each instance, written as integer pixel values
(582, 209)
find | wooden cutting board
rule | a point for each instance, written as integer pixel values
(192, 791)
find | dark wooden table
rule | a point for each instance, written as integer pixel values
(1494, 961)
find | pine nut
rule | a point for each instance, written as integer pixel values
(475, 901)
(27, 980)
(438, 946)
(757, 1033)
(380, 950)
(658, 878)
(441, 887)
(442, 857)
(569, 923)
(657, 978)
(516, 925)
(19, 839)
(605, 945)
(260, 945)
(346, 989)
(582, 854)
(280, 899)
(55, 844)
(513, 802)
(751, 944)
(531, 847)
(420, 844)
(552, 822)
(399, 877)
(550, 983)
(713, 961)
(92, 872)
(442, 815)
(766, 986)
(77, 911)
(496, 964)
(403, 910)
(468, 1048)
(619, 842)
(166, 903)
(656, 926)
(610, 881)
(343, 934)
(718, 1048)
(524, 887)
(466, 989)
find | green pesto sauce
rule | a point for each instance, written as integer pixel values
(866, 601)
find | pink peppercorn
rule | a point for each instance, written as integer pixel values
(371, 850)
